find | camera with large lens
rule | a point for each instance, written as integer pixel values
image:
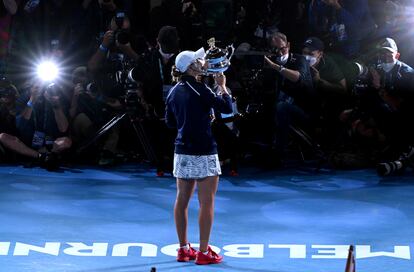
(121, 35)
(363, 77)
(362, 82)
(53, 89)
(397, 166)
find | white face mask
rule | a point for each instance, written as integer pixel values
(387, 67)
(311, 60)
(282, 59)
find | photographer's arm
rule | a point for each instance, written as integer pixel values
(35, 93)
(100, 55)
(289, 74)
(61, 119)
(60, 116)
(75, 98)
(96, 61)
(73, 108)
(337, 88)
(328, 87)
(27, 112)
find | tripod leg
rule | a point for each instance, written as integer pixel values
(146, 144)
(104, 129)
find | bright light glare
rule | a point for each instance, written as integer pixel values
(47, 71)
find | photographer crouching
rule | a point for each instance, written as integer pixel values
(42, 125)
(385, 108)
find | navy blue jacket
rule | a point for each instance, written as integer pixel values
(188, 108)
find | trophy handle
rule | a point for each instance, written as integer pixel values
(230, 51)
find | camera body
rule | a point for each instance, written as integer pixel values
(53, 89)
(363, 79)
(133, 103)
(121, 35)
(125, 80)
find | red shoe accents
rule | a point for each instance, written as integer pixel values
(185, 255)
(210, 258)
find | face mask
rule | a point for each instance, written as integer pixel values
(282, 59)
(311, 60)
(165, 55)
(388, 66)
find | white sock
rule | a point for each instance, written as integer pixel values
(205, 252)
(186, 247)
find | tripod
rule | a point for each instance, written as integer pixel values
(139, 130)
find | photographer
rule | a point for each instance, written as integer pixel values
(42, 124)
(8, 130)
(297, 99)
(89, 111)
(327, 77)
(330, 85)
(86, 111)
(8, 95)
(116, 41)
(385, 104)
(394, 83)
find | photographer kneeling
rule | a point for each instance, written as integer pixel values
(42, 125)
(386, 105)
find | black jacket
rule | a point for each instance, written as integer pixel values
(188, 108)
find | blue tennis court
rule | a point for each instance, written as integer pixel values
(83, 219)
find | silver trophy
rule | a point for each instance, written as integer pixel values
(218, 58)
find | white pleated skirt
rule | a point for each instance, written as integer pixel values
(196, 167)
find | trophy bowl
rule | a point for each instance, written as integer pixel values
(218, 59)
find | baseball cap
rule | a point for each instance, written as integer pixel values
(388, 44)
(314, 43)
(185, 58)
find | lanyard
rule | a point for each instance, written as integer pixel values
(44, 119)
